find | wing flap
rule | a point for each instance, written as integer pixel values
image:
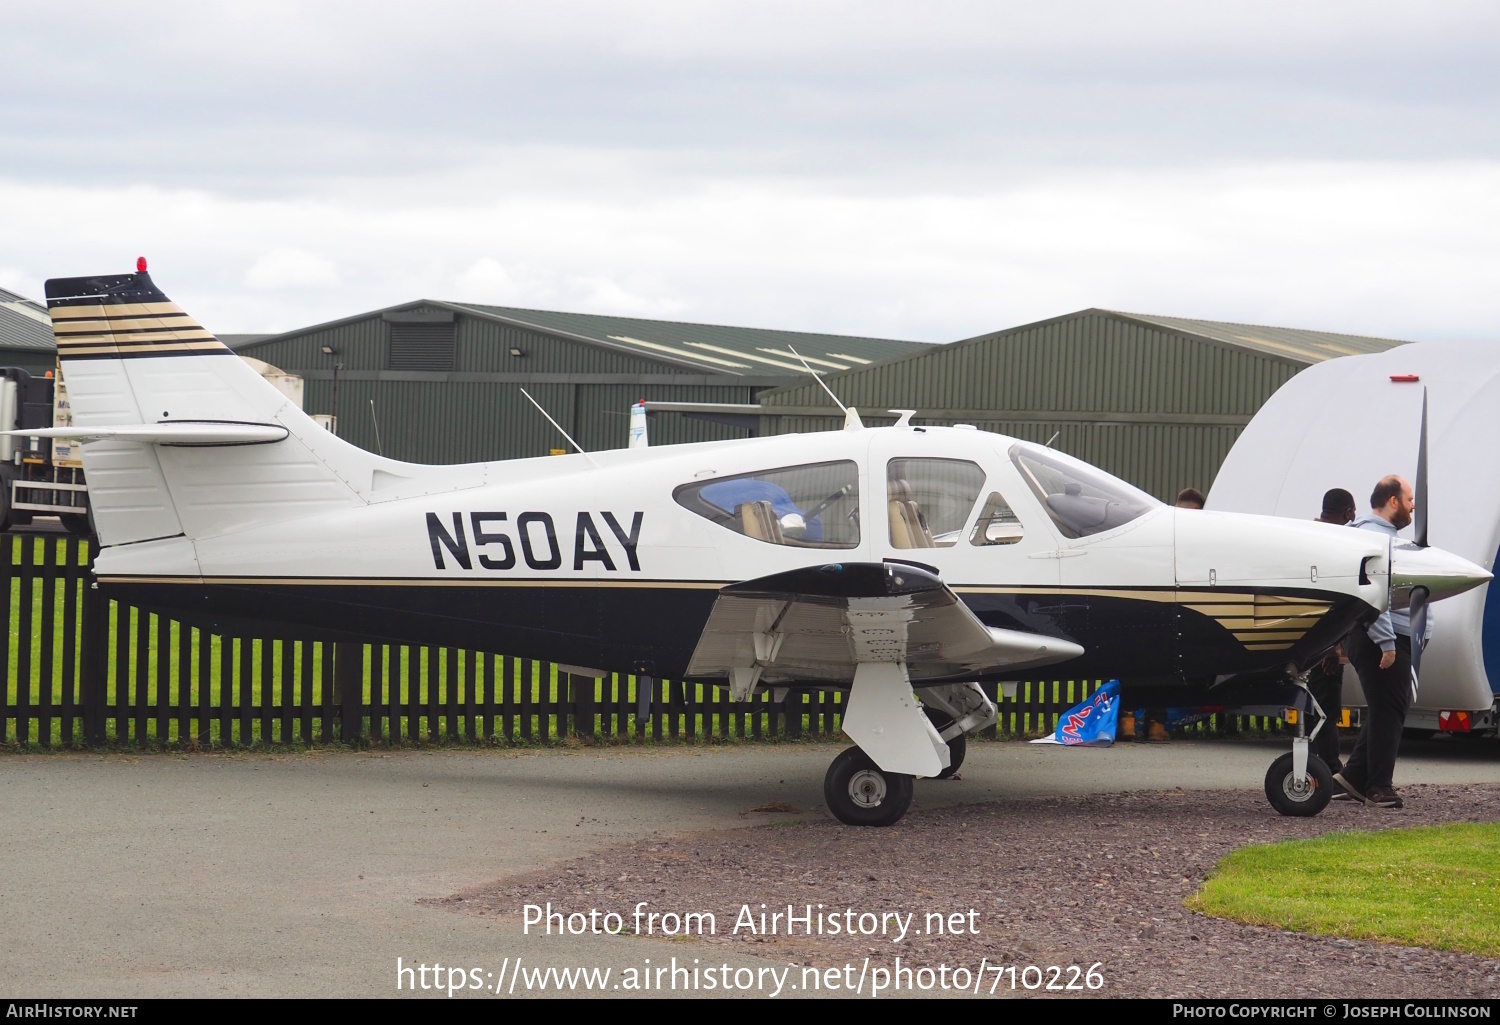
(823, 622)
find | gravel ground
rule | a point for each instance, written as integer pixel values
(1055, 881)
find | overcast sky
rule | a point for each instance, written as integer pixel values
(927, 170)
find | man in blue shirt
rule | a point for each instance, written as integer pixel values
(1381, 655)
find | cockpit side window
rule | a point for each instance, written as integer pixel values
(928, 501)
(810, 506)
(1081, 499)
(997, 523)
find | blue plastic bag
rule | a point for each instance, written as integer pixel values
(1091, 722)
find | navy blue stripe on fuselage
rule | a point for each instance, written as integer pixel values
(626, 625)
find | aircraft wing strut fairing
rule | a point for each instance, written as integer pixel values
(903, 565)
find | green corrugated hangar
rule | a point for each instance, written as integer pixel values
(446, 378)
(1157, 401)
(26, 335)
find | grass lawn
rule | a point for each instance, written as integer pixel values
(1437, 886)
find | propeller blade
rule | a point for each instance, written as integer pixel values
(1418, 612)
(1419, 514)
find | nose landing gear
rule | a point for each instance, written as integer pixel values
(1296, 794)
(1299, 783)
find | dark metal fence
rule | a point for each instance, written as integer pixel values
(84, 670)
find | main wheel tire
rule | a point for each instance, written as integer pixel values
(859, 793)
(1299, 797)
(957, 747)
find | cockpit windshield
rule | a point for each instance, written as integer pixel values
(1081, 499)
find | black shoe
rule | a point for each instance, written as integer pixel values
(1353, 792)
(1383, 797)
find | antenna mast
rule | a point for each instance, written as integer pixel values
(564, 433)
(852, 421)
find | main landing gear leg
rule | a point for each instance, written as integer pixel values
(871, 784)
(1299, 783)
(956, 710)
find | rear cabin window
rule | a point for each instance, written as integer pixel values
(810, 506)
(928, 501)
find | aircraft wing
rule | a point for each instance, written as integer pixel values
(821, 622)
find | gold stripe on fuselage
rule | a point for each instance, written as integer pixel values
(125, 325)
(130, 350)
(99, 311)
(197, 335)
(690, 585)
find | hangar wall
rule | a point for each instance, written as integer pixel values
(584, 369)
(25, 335)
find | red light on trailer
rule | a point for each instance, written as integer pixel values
(1405, 378)
(140, 265)
(1453, 722)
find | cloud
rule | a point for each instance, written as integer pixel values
(488, 282)
(866, 166)
(290, 270)
(289, 99)
(1397, 249)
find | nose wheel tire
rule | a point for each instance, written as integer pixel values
(957, 747)
(859, 793)
(1299, 797)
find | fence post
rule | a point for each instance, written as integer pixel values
(93, 680)
(349, 687)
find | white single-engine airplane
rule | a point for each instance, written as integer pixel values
(904, 564)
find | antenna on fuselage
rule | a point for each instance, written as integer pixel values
(1052, 439)
(554, 423)
(852, 422)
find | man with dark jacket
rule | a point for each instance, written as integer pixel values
(1326, 680)
(1381, 655)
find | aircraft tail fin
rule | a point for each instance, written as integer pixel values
(185, 438)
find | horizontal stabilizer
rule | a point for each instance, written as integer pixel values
(820, 623)
(197, 433)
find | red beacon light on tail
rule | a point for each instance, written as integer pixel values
(140, 265)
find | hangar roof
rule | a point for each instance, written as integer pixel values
(733, 351)
(24, 324)
(1287, 342)
(1097, 360)
(753, 349)
(240, 341)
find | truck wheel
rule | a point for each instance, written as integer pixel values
(76, 524)
(10, 518)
